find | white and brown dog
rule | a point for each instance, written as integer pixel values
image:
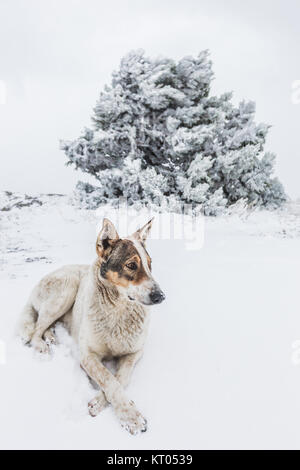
(104, 306)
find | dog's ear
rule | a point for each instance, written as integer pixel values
(106, 238)
(142, 233)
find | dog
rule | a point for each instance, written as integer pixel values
(105, 307)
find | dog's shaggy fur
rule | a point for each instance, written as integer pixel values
(104, 306)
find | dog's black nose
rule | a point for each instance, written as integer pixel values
(157, 296)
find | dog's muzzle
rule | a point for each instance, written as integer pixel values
(149, 295)
(157, 296)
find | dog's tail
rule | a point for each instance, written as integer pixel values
(27, 322)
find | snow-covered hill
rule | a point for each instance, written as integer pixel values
(234, 304)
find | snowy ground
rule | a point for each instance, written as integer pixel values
(221, 367)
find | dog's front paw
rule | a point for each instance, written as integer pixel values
(97, 404)
(130, 418)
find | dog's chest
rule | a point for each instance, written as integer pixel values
(119, 331)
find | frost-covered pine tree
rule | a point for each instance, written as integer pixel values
(159, 137)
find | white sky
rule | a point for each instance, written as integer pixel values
(56, 55)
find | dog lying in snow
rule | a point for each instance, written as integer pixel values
(104, 306)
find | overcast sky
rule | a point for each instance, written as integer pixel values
(56, 55)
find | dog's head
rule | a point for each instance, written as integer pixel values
(126, 263)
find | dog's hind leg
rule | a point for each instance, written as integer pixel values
(53, 308)
(27, 322)
(46, 318)
(49, 336)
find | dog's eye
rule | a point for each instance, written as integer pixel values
(131, 266)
